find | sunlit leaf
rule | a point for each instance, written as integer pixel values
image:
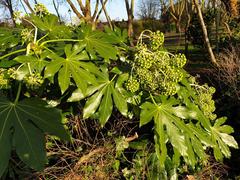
(72, 67)
(96, 41)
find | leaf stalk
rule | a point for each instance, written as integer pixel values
(18, 93)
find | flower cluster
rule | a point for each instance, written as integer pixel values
(154, 69)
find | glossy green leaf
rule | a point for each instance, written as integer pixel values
(198, 148)
(220, 121)
(119, 101)
(64, 78)
(191, 158)
(147, 113)
(184, 113)
(226, 129)
(71, 67)
(51, 25)
(29, 119)
(187, 94)
(8, 38)
(77, 95)
(7, 64)
(220, 135)
(103, 97)
(35, 63)
(92, 104)
(97, 41)
(229, 140)
(5, 136)
(106, 106)
(117, 36)
(160, 142)
(186, 138)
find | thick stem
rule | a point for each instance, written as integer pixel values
(130, 16)
(18, 93)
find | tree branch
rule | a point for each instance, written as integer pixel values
(95, 10)
(81, 5)
(74, 9)
(28, 5)
(99, 13)
(107, 16)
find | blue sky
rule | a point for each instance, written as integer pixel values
(115, 8)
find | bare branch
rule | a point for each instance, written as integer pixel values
(100, 11)
(106, 15)
(28, 5)
(81, 5)
(74, 9)
(95, 10)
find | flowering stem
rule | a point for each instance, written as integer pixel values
(11, 53)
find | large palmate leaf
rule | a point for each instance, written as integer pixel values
(22, 125)
(170, 127)
(51, 25)
(73, 66)
(97, 41)
(173, 124)
(8, 39)
(101, 98)
(220, 136)
(117, 36)
(35, 63)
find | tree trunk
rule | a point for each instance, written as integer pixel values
(130, 26)
(178, 26)
(205, 33)
(87, 12)
(130, 17)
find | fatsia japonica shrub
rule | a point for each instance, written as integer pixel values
(45, 64)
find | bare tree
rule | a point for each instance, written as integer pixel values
(149, 9)
(176, 9)
(8, 4)
(85, 13)
(130, 10)
(205, 33)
